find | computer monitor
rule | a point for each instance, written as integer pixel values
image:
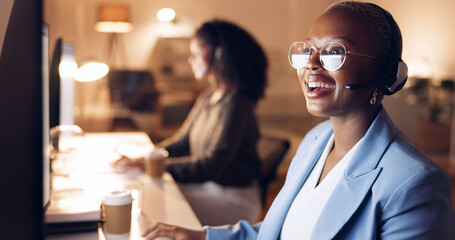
(21, 124)
(45, 116)
(62, 84)
(54, 85)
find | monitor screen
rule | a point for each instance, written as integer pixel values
(45, 103)
(54, 85)
(62, 87)
(67, 70)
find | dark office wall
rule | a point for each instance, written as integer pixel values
(21, 124)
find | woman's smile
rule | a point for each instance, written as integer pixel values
(317, 86)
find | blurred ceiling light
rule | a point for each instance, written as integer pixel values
(113, 18)
(165, 14)
(91, 71)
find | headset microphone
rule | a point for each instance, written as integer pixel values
(356, 86)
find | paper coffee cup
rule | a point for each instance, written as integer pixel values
(155, 164)
(116, 212)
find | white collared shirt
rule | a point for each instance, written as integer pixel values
(311, 199)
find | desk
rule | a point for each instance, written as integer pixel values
(84, 174)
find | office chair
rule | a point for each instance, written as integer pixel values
(271, 151)
(131, 91)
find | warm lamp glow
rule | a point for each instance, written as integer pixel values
(165, 15)
(113, 18)
(91, 71)
(419, 66)
(110, 27)
(67, 69)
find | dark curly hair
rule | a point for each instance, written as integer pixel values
(237, 58)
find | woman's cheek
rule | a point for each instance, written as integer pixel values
(200, 69)
(301, 74)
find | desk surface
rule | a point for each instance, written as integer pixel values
(84, 176)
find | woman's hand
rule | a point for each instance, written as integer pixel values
(164, 230)
(126, 162)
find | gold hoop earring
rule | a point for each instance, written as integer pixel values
(373, 99)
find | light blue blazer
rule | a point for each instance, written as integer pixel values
(390, 190)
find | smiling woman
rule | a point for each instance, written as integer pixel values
(355, 176)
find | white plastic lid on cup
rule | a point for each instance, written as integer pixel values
(117, 198)
(157, 153)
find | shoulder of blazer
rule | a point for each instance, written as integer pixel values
(316, 131)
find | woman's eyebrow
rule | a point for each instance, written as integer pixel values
(342, 38)
(345, 38)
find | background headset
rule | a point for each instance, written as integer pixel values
(394, 71)
(215, 56)
(216, 53)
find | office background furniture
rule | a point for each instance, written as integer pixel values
(141, 103)
(131, 91)
(271, 151)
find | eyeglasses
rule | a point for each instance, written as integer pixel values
(331, 55)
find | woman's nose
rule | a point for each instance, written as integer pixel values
(314, 63)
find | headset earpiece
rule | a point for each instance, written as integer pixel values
(400, 79)
(216, 56)
(217, 53)
(395, 71)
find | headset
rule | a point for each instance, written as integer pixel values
(217, 51)
(215, 56)
(395, 70)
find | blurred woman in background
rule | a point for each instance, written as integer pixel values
(221, 131)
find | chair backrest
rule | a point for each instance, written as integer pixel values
(133, 89)
(271, 151)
